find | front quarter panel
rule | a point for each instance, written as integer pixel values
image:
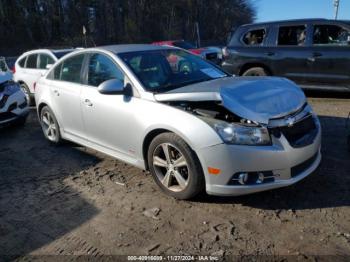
(153, 115)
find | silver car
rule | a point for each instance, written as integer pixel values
(190, 124)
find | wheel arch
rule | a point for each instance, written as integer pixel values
(148, 140)
(247, 66)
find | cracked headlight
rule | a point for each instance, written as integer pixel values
(243, 135)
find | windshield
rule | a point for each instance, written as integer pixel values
(184, 45)
(163, 70)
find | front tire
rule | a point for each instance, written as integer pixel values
(50, 126)
(175, 166)
(255, 71)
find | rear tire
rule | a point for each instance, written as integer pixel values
(255, 71)
(50, 126)
(179, 174)
(27, 93)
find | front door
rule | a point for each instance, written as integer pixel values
(330, 59)
(108, 118)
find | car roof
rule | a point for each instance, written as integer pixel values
(293, 21)
(117, 49)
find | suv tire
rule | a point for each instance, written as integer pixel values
(255, 71)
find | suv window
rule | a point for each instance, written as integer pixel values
(330, 35)
(45, 60)
(21, 62)
(292, 35)
(254, 37)
(101, 69)
(32, 61)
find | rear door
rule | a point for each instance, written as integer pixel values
(330, 58)
(290, 51)
(65, 90)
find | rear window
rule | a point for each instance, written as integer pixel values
(254, 37)
(292, 35)
(22, 62)
(45, 60)
(32, 61)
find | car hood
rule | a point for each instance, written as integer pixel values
(5, 76)
(256, 99)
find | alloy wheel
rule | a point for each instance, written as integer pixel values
(171, 167)
(49, 126)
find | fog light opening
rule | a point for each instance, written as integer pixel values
(261, 178)
(243, 178)
(252, 178)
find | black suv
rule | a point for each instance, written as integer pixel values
(315, 53)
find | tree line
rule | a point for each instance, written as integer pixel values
(27, 24)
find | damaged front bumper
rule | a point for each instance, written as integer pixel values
(271, 167)
(13, 108)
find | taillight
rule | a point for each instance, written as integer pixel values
(13, 69)
(34, 86)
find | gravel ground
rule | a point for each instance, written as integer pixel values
(71, 200)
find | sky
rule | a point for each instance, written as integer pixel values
(270, 10)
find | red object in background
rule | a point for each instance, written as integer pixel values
(13, 69)
(182, 44)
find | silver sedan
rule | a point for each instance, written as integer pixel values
(193, 126)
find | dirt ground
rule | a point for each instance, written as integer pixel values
(70, 200)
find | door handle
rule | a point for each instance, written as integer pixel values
(56, 92)
(317, 54)
(88, 102)
(270, 53)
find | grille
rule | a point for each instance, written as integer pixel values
(300, 134)
(297, 170)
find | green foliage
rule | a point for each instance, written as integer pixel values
(38, 23)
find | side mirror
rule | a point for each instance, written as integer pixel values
(48, 66)
(111, 87)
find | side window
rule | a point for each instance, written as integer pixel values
(45, 60)
(32, 61)
(21, 62)
(292, 35)
(101, 69)
(330, 35)
(71, 69)
(254, 37)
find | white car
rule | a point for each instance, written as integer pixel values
(13, 103)
(31, 65)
